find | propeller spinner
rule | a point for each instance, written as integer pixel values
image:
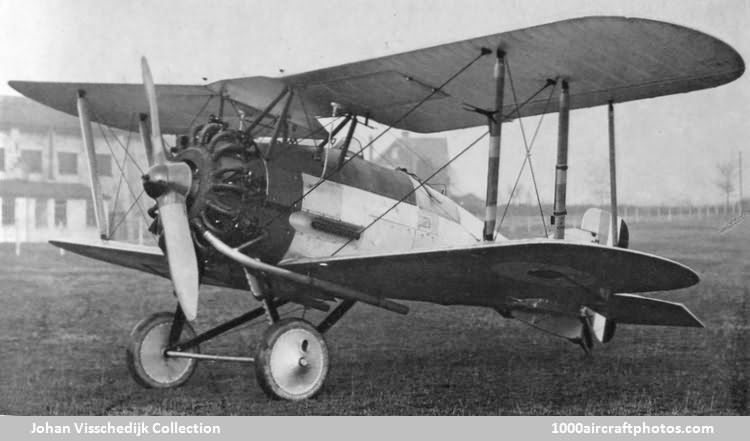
(169, 182)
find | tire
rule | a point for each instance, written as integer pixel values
(292, 360)
(145, 353)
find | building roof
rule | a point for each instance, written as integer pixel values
(430, 149)
(17, 111)
(419, 155)
(43, 190)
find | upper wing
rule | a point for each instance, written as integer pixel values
(492, 274)
(603, 58)
(180, 106)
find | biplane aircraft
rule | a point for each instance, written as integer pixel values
(260, 199)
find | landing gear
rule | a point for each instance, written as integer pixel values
(146, 358)
(292, 360)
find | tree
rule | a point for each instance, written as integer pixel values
(725, 180)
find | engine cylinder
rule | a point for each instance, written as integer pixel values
(230, 187)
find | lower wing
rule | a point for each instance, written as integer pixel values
(542, 275)
(494, 274)
(149, 259)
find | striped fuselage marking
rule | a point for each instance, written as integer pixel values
(405, 227)
(425, 219)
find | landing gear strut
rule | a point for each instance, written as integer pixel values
(291, 361)
(586, 341)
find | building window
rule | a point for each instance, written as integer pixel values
(9, 211)
(61, 213)
(32, 160)
(2, 159)
(90, 215)
(104, 164)
(40, 208)
(67, 163)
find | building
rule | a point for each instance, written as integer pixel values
(44, 176)
(420, 156)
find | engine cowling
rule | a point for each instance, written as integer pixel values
(229, 192)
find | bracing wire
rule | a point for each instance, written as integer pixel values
(426, 181)
(125, 216)
(412, 191)
(401, 118)
(112, 133)
(527, 157)
(412, 151)
(119, 181)
(121, 169)
(526, 146)
(517, 110)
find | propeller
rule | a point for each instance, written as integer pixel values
(168, 183)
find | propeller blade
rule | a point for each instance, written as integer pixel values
(169, 190)
(153, 108)
(183, 263)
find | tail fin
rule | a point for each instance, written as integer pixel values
(597, 222)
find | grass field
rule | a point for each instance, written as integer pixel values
(64, 324)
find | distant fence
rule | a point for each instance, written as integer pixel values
(664, 212)
(526, 220)
(672, 212)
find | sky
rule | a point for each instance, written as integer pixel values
(668, 147)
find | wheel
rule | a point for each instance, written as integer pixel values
(292, 360)
(145, 353)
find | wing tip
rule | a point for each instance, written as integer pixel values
(688, 276)
(695, 278)
(60, 244)
(19, 86)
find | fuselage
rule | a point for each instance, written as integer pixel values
(284, 210)
(365, 208)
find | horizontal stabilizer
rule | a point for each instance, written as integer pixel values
(638, 310)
